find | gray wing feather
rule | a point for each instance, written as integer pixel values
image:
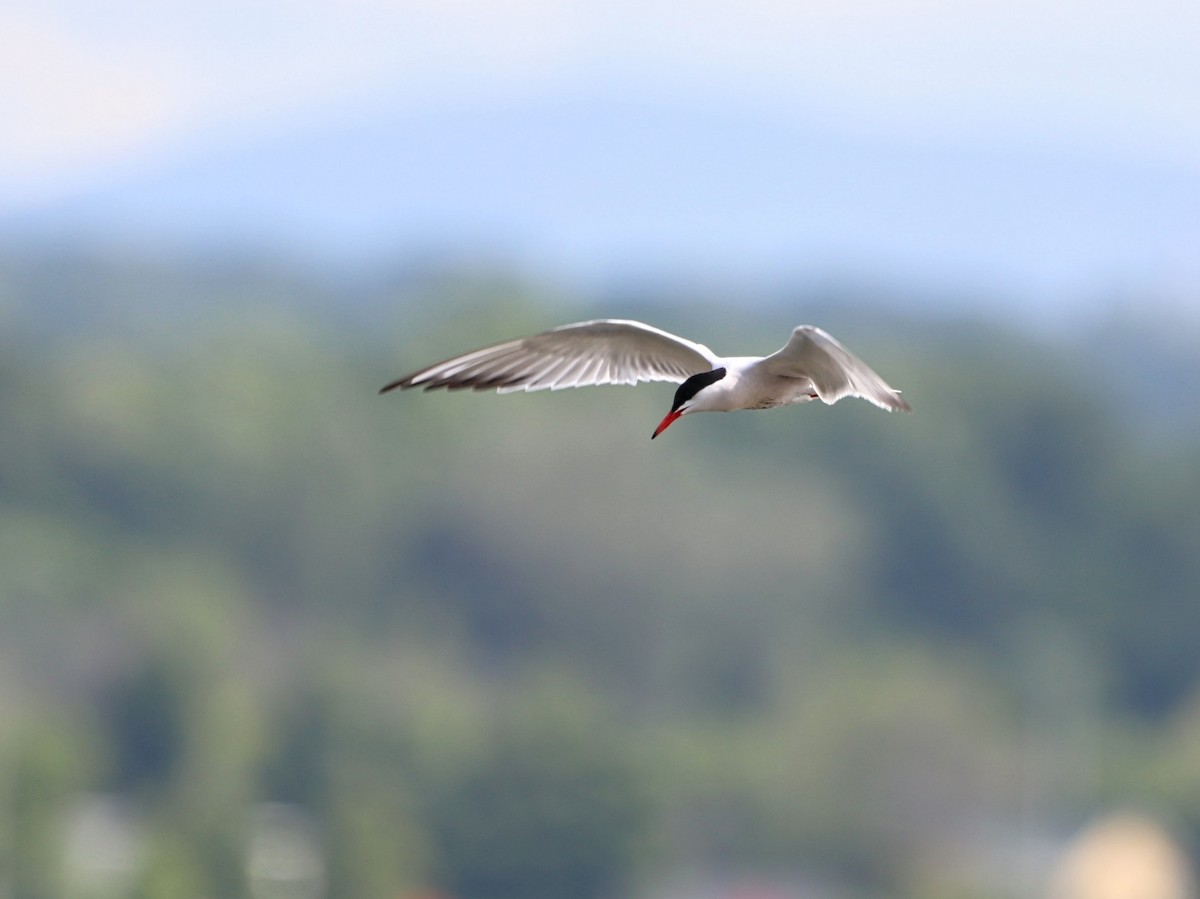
(606, 351)
(834, 371)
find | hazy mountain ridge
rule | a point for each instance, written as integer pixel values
(601, 186)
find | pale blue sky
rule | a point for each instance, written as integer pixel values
(87, 86)
(1044, 147)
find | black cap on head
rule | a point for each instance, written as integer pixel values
(695, 384)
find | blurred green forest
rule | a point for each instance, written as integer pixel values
(264, 633)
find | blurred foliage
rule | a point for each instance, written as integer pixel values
(507, 647)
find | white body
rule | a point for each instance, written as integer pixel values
(749, 385)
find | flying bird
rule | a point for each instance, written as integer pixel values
(810, 366)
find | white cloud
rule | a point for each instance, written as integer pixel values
(68, 103)
(84, 88)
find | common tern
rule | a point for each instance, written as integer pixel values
(810, 366)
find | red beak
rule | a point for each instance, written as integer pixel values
(666, 422)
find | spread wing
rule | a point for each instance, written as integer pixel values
(834, 371)
(607, 351)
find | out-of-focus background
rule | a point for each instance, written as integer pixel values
(264, 633)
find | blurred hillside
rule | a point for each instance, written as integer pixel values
(265, 633)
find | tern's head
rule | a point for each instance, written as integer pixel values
(687, 395)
